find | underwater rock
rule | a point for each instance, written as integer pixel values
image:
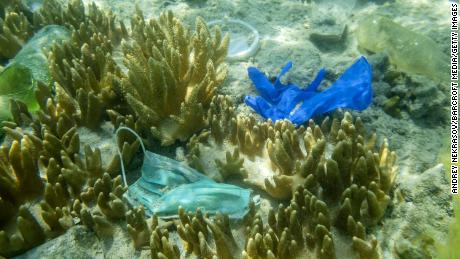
(426, 100)
(401, 95)
(409, 51)
(327, 33)
(18, 79)
(79, 242)
(420, 216)
(278, 101)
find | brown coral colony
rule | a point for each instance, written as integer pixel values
(326, 180)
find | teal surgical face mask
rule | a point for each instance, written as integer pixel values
(165, 184)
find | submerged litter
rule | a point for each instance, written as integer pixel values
(18, 79)
(244, 39)
(404, 47)
(165, 184)
(278, 101)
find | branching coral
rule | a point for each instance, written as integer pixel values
(19, 176)
(83, 68)
(15, 30)
(29, 234)
(92, 20)
(195, 230)
(334, 166)
(283, 238)
(151, 234)
(296, 156)
(173, 75)
(84, 90)
(51, 179)
(303, 227)
(71, 174)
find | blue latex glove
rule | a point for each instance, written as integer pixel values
(277, 101)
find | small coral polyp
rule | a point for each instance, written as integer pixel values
(173, 75)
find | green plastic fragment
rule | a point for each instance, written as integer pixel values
(410, 52)
(18, 79)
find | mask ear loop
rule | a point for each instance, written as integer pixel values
(119, 151)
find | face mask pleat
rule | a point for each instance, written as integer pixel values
(165, 184)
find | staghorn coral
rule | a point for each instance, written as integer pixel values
(152, 234)
(281, 239)
(295, 156)
(29, 233)
(161, 247)
(205, 237)
(193, 230)
(77, 189)
(84, 70)
(108, 194)
(84, 66)
(331, 173)
(171, 83)
(19, 176)
(54, 130)
(20, 185)
(202, 236)
(138, 228)
(225, 243)
(70, 174)
(304, 228)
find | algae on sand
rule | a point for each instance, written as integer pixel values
(409, 51)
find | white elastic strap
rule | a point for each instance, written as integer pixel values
(119, 151)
